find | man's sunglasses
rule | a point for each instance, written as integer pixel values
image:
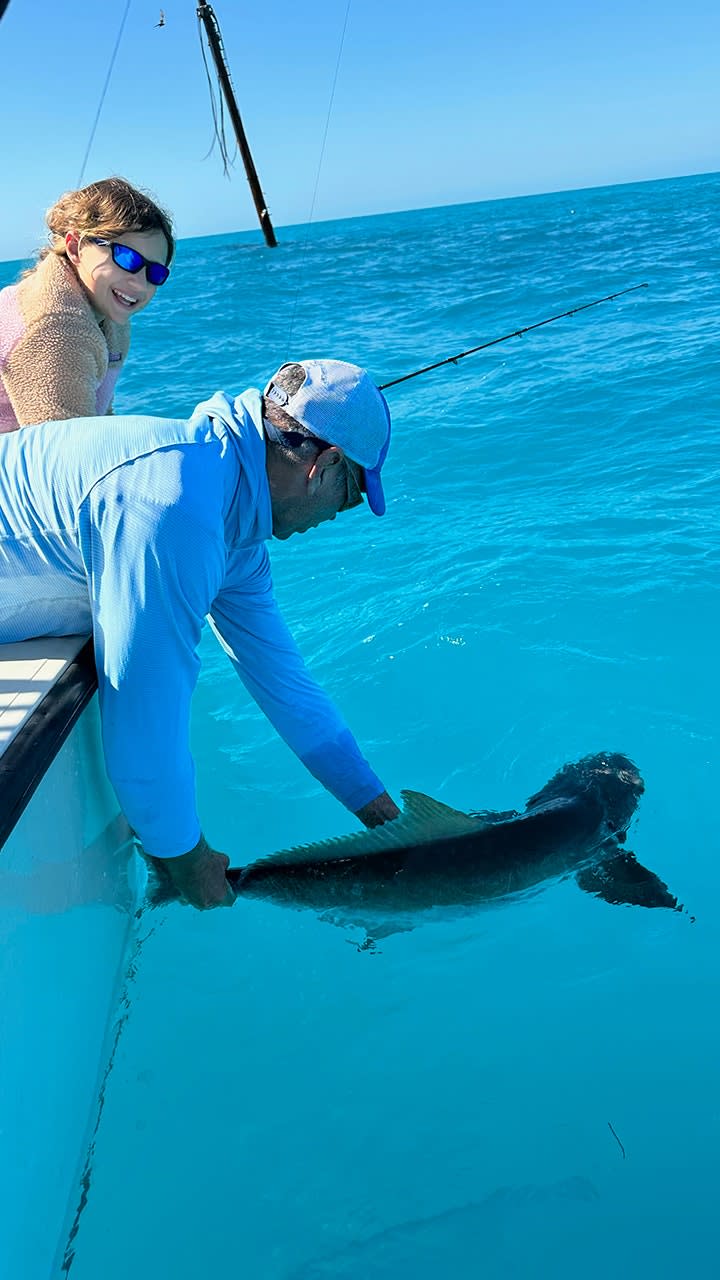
(132, 261)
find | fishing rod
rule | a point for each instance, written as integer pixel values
(506, 336)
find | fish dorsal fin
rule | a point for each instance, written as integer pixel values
(431, 818)
(421, 821)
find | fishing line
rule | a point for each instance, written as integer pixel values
(113, 56)
(506, 336)
(317, 176)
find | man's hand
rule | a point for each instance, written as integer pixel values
(375, 812)
(198, 877)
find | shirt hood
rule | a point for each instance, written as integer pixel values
(247, 506)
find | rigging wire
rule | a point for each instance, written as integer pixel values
(329, 112)
(113, 56)
(304, 245)
(506, 336)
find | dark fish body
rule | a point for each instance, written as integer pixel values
(435, 856)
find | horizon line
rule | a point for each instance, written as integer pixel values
(454, 204)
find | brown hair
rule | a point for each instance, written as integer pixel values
(106, 208)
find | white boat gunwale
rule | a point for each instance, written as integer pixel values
(30, 752)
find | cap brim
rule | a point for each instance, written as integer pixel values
(374, 492)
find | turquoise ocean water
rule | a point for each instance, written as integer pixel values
(286, 1106)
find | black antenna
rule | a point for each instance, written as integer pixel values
(206, 15)
(515, 334)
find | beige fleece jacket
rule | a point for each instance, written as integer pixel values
(58, 358)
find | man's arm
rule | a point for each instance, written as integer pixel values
(154, 562)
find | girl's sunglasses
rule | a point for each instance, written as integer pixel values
(132, 261)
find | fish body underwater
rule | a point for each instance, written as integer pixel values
(434, 857)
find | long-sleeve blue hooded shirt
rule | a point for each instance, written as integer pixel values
(137, 529)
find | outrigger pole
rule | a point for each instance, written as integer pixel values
(207, 16)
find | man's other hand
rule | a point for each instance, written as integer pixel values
(198, 877)
(375, 812)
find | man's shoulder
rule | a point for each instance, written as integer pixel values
(126, 437)
(164, 460)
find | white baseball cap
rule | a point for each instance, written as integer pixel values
(339, 403)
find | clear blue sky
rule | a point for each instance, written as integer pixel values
(435, 103)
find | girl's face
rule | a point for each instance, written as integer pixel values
(114, 293)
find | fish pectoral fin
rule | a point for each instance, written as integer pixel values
(622, 880)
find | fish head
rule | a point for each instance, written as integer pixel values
(619, 785)
(610, 776)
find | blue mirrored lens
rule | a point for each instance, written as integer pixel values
(132, 261)
(156, 272)
(127, 258)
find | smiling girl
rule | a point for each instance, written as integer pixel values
(65, 327)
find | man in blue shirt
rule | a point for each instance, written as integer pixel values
(139, 528)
